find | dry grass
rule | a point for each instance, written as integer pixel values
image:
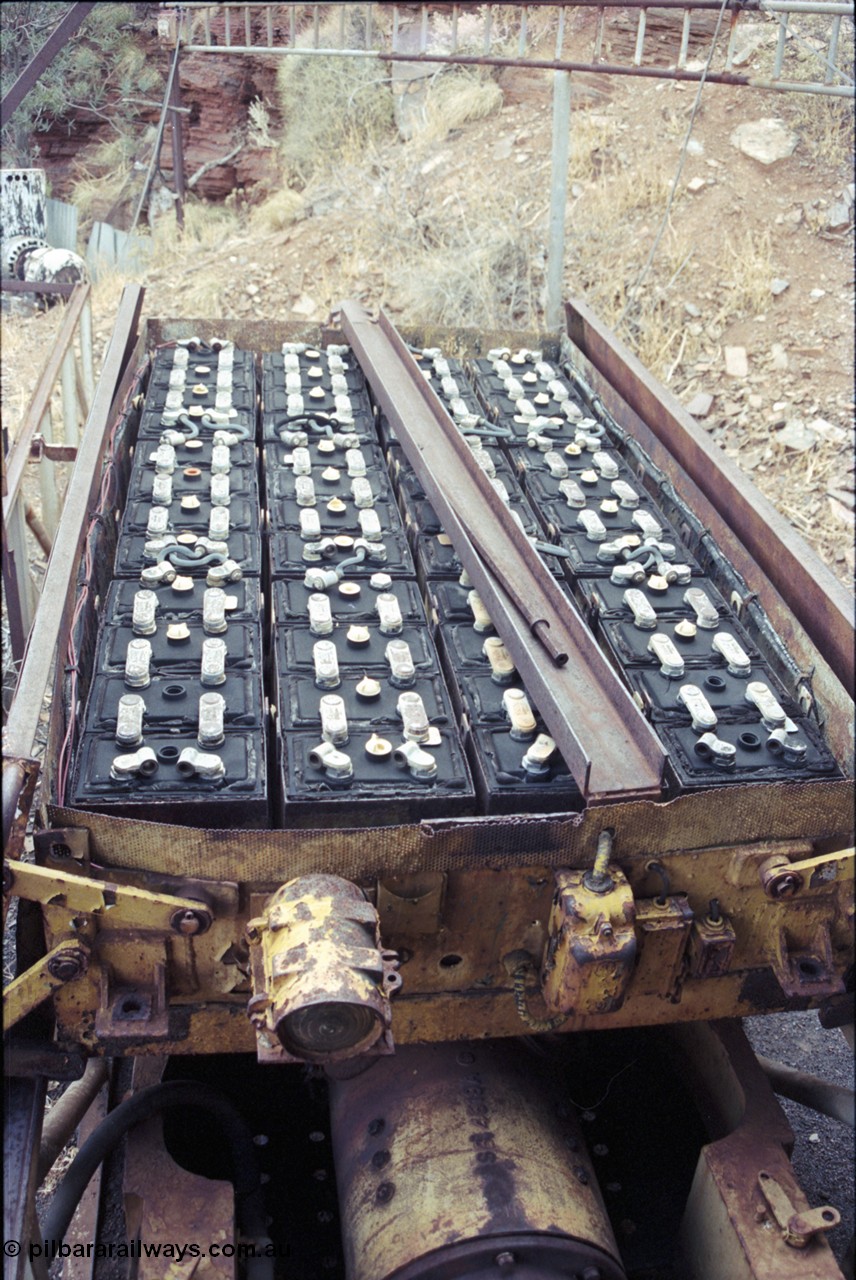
(456, 97)
(278, 211)
(331, 106)
(105, 177)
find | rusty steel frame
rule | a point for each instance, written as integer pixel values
(809, 589)
(610, 749)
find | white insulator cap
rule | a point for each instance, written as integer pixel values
(400, 659)
(326, 665)
(162, 489)
(361, 491)
(164, 459)
(482, 621)
(414, 717)
(221, 460)
(320, 614)
(137, 661)
(304, 490)
(214, 621)
(666, 653)
(212, 709)
(143, 619)
(295, 406)
(301, 461)
(502, 669)
(129, 720)
(701, 712)
(213, 665)
(310, 522)
(370, 526)
(218, 523)
(520, 714)
(355, 462)
(389, 613)
(334, 719)
(220, 496)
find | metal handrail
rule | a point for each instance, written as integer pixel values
(75, 375)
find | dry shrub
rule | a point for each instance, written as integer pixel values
(331, 106)
(105, 177)
(278, 211)
(456, 97)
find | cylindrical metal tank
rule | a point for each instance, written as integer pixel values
(463, 1162)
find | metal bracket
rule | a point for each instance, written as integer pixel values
(798, 1229)
(128, 906)
(41, 448)
(66, 961)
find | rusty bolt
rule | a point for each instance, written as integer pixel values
(505, 1259)
(67, 966)
(606, 930)
(385, 1192)
(190, 922)
(376, 1126)
(783, 886)
(581, 1175)
(779, 879)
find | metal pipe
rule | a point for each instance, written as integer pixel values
(69, 399)
(829, 1099)
(552, 64)
(558, 197)
(66, 1114)
(37, 529)
(47, 478)
(14, 778)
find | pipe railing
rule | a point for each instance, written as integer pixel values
(48, 433)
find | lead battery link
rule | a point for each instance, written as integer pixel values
(702, 714)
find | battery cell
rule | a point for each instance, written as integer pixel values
(379, 791)
(183, 598)
(295, 649)
(505, 785)
(182, 651)
(291, 556)
(134, 554)
(170, 785)
(692, 761)
(370, 701)
(172, 702)
(358, 602)
(630, 646)
(725, 692)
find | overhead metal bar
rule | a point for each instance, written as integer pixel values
(608, 746)
(306, 40)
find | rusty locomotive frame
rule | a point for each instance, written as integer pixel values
(118, 908)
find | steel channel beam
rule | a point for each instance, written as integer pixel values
(37, 65)
(53, 615)
(609, 748)
(24, 1103)
(817, 599)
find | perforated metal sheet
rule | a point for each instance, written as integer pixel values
(732, 816)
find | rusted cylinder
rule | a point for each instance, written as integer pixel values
(460, 1160)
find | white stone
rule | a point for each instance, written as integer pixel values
(766, 140)
(778, 285)
(778, 357)
(797, 435)
(696, 184)
(305, 306)
(700, 405)
(736, 362)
